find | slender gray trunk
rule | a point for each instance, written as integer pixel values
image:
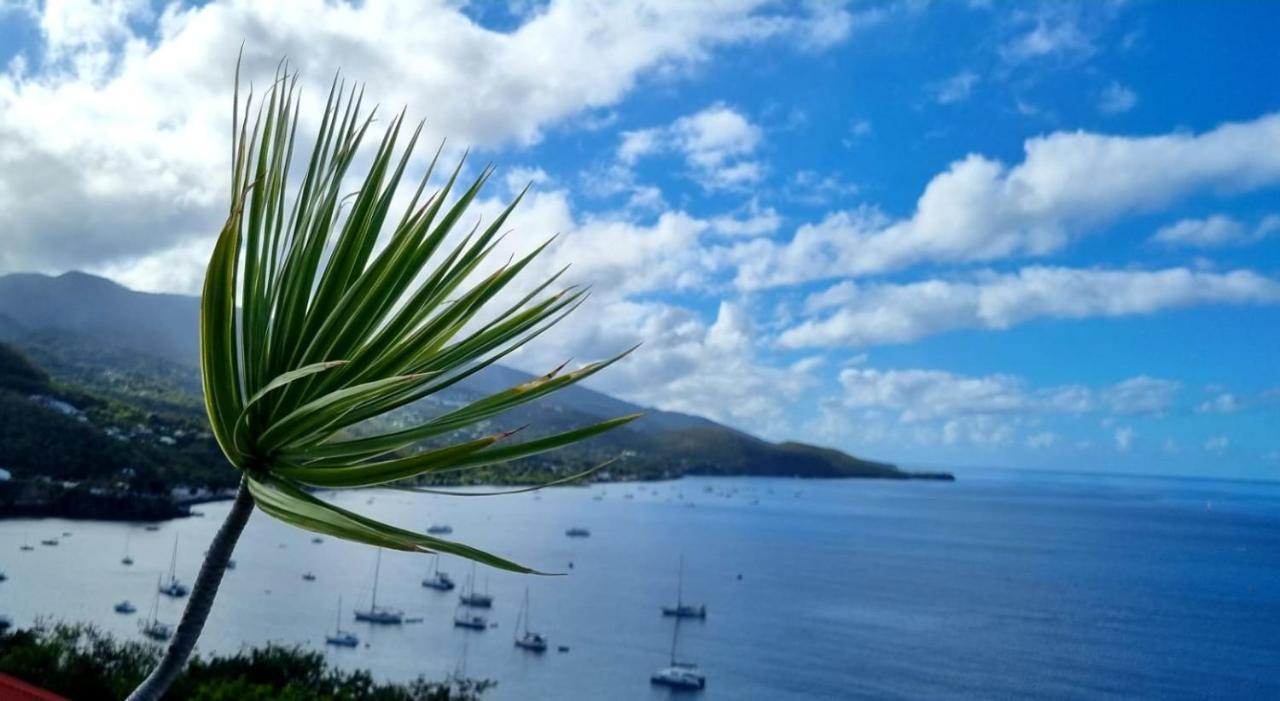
(202, 594)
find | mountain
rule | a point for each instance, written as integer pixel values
(141, 348)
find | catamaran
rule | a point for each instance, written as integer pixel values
(462, 618)
(340, 637)
(525, 638)
(440, 581)
(173, 587)
(375, 613)
(152, 627)
(681, 609)
(473, 598)
(679, 675)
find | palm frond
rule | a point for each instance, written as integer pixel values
(308, 327)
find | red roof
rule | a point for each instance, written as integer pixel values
(12, 689)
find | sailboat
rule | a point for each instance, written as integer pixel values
(463, 618)
(440, 581)
(681, 609)
(473, 598)
(152, 627)
(340, 637)
(174, 588)
(126, 560)
(375, 613)
(525, 638)
(679, 675)
(26, 547)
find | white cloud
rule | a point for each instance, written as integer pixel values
(1116, 99)
(125, 125)
(1141, 395)
(1124, 438)
(1214, 230)
(1042, 440)
(1221, 403)
(957, 88)
(718, 144)
(917, 394)
(1069, 184)
(1056, 33)
(887, 313)
(1217, 444)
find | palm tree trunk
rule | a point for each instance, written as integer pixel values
(201, 601)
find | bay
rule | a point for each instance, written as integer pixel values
(1005, 584)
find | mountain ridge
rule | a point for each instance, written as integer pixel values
(143, 346)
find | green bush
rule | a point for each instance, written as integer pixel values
(80, 662)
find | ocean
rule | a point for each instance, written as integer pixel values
(1004, 584)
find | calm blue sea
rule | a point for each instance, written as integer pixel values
(1001, 585)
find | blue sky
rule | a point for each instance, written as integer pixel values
(945, 234)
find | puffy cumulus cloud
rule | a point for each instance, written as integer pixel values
(1069, 184)
(686, 363)
(116, 148)
(1220, 403)
(1217, 444)
(718, 144)
(1141, 395)
(1116, 99)
(1042, 440)
(1214, 230)
(957, 88)
(895, 313)
(917, 394)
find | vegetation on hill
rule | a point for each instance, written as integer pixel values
(159, 381)
(82, 663)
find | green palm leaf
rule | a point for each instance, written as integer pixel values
(309, 327)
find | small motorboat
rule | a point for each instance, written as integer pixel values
(578, 532)
(125, 607)
(440, 529)
(51, 542)
(308, 577)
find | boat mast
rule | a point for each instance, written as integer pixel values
(173, 561)
(680, 584)
(155, 604)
